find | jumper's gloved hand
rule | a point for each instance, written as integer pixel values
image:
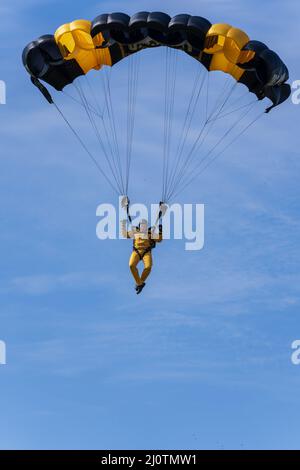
(163, 208)
(125, 202)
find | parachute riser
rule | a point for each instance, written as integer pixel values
(158, 219)
(42, 89)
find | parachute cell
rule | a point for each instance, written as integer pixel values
(80, 46)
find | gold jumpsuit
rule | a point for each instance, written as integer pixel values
(142, 247)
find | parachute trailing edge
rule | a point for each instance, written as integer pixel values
(81, 46)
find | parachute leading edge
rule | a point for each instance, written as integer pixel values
(81, 46)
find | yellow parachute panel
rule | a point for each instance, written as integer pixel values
(75, 42)
(220, 63)
(225, 44)
(215, 38)
(235, 41)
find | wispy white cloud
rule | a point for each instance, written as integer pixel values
(45, 284)
(213, 289)
(13, 13)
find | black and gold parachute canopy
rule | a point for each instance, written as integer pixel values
(80, 46)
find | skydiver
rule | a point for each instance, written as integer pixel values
(144, 241)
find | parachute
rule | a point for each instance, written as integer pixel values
(81, 46)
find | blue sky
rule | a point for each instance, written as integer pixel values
(202, 358)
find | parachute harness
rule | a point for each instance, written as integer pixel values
(146, 251)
